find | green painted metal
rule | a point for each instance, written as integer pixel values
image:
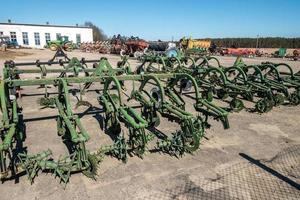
(162, 101)
(117, 111)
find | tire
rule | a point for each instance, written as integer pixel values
(91, 172)
(137, 54)
(236, 105)
(222, 94)
(68, 46)
(294, 99)
(53, 47)
(279, 99)
(260, 106)
(122, 52)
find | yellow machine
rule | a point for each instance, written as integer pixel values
(194, 43)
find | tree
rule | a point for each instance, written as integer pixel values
(98, 34)
(267, 42)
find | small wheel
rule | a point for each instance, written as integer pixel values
(192, 143)
(279, 99)
(91, 171)
(269, 104)
(186, 85)
(68, 46)
(122, 52)
(236, 105)
(260, 106)
(248, 96)
(294, 99)
(155, 93)
(222, 94)
(137, 54)
(53, 47)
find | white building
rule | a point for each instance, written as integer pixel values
(37, 35)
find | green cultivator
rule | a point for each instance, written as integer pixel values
(167, 103)
(132, 116)
(116, 112)
(261, 84)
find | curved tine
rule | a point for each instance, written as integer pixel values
(272, 68)
(186, 58)
(204, 62)
(189, 77)
(161, 59)
(240, 72)
(118, 85)
(285, 66)
(158, 83)
(256, 69)
(214, 58)
(218, 71)
(176, 60)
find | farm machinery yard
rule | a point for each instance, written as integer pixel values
(75, 118)
(134, 105)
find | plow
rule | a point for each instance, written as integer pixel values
(160, 87)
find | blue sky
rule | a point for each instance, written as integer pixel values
(164, 19)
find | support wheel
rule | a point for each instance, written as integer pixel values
(222, 94)
(260, 106)
(294, 99)
(91, 171)
(248, 96)
(279, 99)
(53, 47)
(68, 46)
(236, 105)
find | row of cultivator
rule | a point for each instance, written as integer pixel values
(135, 128)
(132, 104)
(266, 85)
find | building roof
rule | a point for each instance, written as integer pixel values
(45, 25)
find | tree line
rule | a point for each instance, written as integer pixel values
(266, 42)
(98, 34)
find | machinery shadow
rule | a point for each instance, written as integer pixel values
(270, 170)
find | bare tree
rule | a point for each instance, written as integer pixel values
(98, 34)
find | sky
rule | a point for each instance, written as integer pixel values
(165, 19)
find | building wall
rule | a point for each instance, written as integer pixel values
(85, 33)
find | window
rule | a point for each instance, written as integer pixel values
(13, 37)
(58, 36)
(78, 38)
(47, 37)
(1, 33)
(37, 39)
(25, 38)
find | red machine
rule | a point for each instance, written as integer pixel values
(238, 52)
(136, 46)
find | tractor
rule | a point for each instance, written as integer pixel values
(63, 42)
(5, 42)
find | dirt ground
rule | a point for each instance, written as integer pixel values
(12, 54)
(257, 158)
